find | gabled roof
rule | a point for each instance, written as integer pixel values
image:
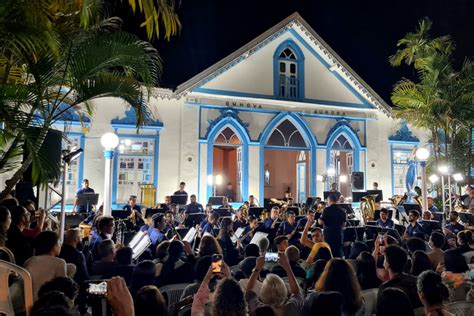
(294, 20)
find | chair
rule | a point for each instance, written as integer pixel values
(6, 306)
(419, 311)
(469, 256)
(172, 292)
(11, 257)
(185, 310)
(370, 301)
(461, 308)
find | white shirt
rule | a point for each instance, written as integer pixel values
(43, 269)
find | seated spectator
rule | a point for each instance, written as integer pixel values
(263, 245)
(395, 261)
(246, 267)
(323, 303)
(432, 293)
(251, 250)
(150, 302)
(281, 243)
(52, 303)
(366, 271)
(414, 244)
(143, 274)
(313, 275)
(106, 251)
(65, 285)
(293, 255)
(338, 276)
(393, 302)
(357, 248)
(228, 297)
(5, 221)
(71, 254)
(209, 246)
(45, 266)
(454, 262)
(176, 269)
(317, 239)
(420, 263)
(200, 270)
(274, 292)
(124, 267)
(324, 254)
(436, 255)
(19, 244)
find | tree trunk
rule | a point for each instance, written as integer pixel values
(10, 183)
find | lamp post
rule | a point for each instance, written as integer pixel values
(109, 141)
(443, 170)
(422, 155)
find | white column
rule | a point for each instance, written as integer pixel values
(424, 190)
(109, 156)
(63, 205)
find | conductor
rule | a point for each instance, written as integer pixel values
(333, 220)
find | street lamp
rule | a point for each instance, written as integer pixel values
(109, 141)
(433, 178)
(422, 155)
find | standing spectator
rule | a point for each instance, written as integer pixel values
(395, 262)
(231, 252)
(333, 220)
(338, 276)
(432, 293)
(45, 265)
(144, 274)
(176, 269)
(71, 254)
(105, 230)
(317, 239)
(17, 242)
(293, 255)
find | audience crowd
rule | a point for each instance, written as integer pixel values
(385, 276)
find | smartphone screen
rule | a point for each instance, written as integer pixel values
(271, 257)
(381, 238)
(97, 289)
(216, 263)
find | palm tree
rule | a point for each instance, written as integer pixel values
(94, 62)
(442, 99)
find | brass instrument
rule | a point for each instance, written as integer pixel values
(283, 208)
(245, 210)
(368, 207)
(148, 195)
(396, 199)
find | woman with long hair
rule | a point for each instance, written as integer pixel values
(209, 246)
(420, 262)
(432, 293)
(143, 274)
(338, 276)
(230, 252)
(176, 269)
(5, 221)
(366, 271)
(150, 302)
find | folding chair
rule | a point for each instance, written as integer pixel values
(6, 306)
(461, 308)
(172, 292)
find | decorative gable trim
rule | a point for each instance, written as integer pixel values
(404, 135)
(226, 113)
(336, 64)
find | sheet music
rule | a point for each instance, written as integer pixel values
(257, 237)
(141, 246)
(136, 239)
(238, 233)
(190, 235)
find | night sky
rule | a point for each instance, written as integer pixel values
(363, 33)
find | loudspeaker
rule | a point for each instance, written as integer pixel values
(51, 147)
(357, 180)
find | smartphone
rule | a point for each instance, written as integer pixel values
(216, 263)
(97, 288)
(381, 238)
(271, 257)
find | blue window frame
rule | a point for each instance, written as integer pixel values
(288, 71)
(75, 170)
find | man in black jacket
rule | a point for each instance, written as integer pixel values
(71, 254)
(333, 220)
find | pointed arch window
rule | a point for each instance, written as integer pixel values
(286, 135)
(227, 137)
(288, 75)
(341, 143)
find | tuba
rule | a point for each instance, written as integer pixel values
(245, 210)
(368, 208)
(283, 208)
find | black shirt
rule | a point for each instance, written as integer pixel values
(74, 256)
(193, 208)
(19, 245)
(334, 217)
(180, 193)
(406, 283)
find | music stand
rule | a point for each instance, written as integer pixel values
(430, 226)
(223, 212)
(256, 211)
(195, 219)
(346, 207)
(353, 233)
(179, 200)
(466, 218)
(438, 216)
(326, 194)
(216, 200)
(153, 211)
(120, 214)
(412, 207)
(182, 232)
(87, 200)
(400, 229)
(379, 194)
(391, 232)
(294, 209)
(358, 195)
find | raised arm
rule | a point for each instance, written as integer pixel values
(304, 237)
(285, 264)
(256, 272)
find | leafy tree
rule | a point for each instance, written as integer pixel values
(442, 99)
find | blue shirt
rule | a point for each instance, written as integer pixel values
(412, 230)
(155, 235)
(267, 224)
(285, 229)
(208, 229)
(433, 209)
(193, 208)
(83, 208)
(388, 224)
(454, 227)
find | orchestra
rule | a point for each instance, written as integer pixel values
(308, 227)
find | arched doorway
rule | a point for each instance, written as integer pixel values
(289, 159)
(342, 160)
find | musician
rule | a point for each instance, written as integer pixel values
(288, 228)
(431, 207)
(334, 190)
(85, 189)
(225, 204)
(208, 212)
(249, 230)
(155, 228)
(270, 223)
(194, 207)
(211, 222)
(342, 199)
(252, 202)
(290, 201)
(229, 192)
(413, 228)
(375, 186)
(427, 216)
(164, 205)
(333, 220)
(134, 210)
(239, 220)
(105, 230)
(453, 227)
(170, 221)
(181, 189)
(384, 221)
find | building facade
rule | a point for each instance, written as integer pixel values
(284, 112)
